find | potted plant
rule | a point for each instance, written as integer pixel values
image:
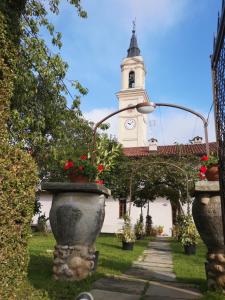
(42, 224)
(189, 236)
(209, 169)
(126, 234)
(139, 230)
(160, 229)
(82, 170)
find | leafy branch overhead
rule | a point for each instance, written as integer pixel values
(40, 120)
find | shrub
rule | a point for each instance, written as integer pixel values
(18, 180)
(126, 234)
(42, 224)
(139, 229)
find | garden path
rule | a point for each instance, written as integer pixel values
(151, 277)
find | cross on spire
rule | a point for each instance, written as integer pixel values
(134, 25)
(133, 49)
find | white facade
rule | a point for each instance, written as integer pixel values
(160, 211)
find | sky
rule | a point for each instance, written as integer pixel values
(175, 38)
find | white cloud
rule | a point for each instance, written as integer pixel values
(178, 127)
(96, 115)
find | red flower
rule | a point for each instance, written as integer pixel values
(203, 169)
(204, 158)
(100, 168)
(81, 168)
(83, 157)
(99, 181)
(68, 165)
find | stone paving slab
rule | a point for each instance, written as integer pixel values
(128, 286)
(147, 274)
(172, 291)
(155, 263)
(155, 268)
(108, 295)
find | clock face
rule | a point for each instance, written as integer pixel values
(130, 123)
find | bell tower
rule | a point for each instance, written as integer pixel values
(132, 124)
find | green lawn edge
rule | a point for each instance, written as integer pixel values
(112, 261)
(191, 268)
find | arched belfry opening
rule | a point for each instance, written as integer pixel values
(131, 79)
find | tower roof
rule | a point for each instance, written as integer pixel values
(133, 49)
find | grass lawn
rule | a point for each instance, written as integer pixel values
(191, 269)
(112, 260)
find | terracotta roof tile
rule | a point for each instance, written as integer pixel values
(189, 149)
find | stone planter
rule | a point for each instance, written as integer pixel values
(208, 220)
(76, 218)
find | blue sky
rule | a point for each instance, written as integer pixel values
(175, 38)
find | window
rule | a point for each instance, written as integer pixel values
(131, 79)
(122, 208)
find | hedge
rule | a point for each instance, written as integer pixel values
(18, 181)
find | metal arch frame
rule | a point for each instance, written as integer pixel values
(204, 120)
(162, 163)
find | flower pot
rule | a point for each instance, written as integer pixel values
(190, 249)
(127, 245)
(78, 178)
(76, 219)
(212, 173)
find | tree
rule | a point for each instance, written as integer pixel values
(144, 179)
(17, 168)
(40, 120)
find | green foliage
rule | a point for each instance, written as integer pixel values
(107, 153)
(6, 75)
(18, 180)
(42, 224)
(139, 229)
(148, 225)
(187, 231)
(126, 234)
(145, 179)
(24, 64)
(209, 161)
(40, 120)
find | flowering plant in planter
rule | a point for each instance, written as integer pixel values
(189, 233)
(207, 163)
(84, 167)
(126, 234)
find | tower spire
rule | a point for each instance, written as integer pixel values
(133, 49)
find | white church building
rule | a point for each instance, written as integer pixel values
(132, 135)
